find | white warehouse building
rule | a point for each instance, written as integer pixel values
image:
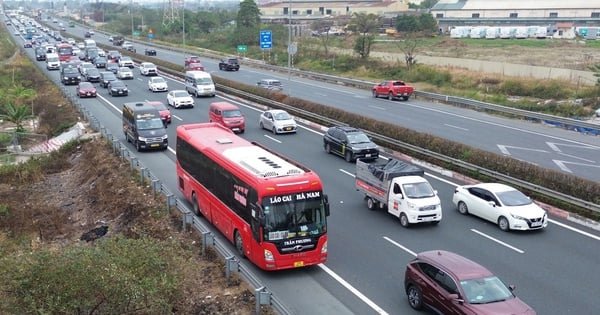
(542, 12)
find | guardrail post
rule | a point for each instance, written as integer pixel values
(142, 173)
(132, 162)
(155, 187)
(170, 201)
(207, 239)
(188, 217)
(116, 145)
(123, 150)
(262, 297)
(231, 264)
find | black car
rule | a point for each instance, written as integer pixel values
(350, 143)
(92, 75)
(40, 54)
(149, 52)
(106, 77)
(117, 88)
(229, 64)
(69, 75)
(87, 34)
(100, 62)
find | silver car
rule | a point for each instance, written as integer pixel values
(270, 84)
(278, 121)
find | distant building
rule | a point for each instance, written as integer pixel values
(538, 12)
(308, 9)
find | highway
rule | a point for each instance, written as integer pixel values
(554, 270)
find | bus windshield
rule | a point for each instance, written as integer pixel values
(289, 216)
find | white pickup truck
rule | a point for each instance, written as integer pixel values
(401, 189)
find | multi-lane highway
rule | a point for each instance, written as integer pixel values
(554, 270)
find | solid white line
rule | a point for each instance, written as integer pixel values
(352, 289)
(269, 137)
(400, 246)
(499, 241)
(376, 107)
(568, 227)
(576, 157)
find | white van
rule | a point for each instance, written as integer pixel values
(199, 83)
(52, 61)
(89, 43)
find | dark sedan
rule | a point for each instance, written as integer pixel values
(85, 89)
(149, 52)
(117, 88)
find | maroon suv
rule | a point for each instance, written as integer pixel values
(448, 284)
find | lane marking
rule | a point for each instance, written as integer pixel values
(377, 107)
(352, 289)
(576, 157)
(347, 173)
(504, 149)
(456, 127)
(568, 227)
(498, 241)
(400, 246)
(269, 137)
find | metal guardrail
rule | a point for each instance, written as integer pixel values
(209, 239)
(387, 140)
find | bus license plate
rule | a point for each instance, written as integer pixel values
(299, 264)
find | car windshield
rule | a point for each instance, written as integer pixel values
(160, 106)
(181, 94)
(85, 85)
(418, 190)
(485, 290)
(204, 81)
(232, 113)
(282, 116)
(92, 72)
(151, 123)
(358, 138)
(513, 198)
(158, 80)
(117, 84)
(109, 77)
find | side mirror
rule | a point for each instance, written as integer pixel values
(511, 287)
(492, 204)
(326, 205)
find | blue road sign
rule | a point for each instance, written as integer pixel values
(266, 39)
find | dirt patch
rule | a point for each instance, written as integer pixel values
(93, 196)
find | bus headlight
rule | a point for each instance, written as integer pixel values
(324, 248)
(268, 255)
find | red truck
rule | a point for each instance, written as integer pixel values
(393, 89)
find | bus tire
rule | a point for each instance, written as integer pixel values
(239, 243)
(195, 206)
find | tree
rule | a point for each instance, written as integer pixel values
(247, 23)
(596, 69)
(16, 114)
(366, 25)
(427, 23)
(322, 28)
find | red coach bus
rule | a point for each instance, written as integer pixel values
(65, 51)
(271, 208)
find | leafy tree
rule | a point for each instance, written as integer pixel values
(427, 23)
(366, 25)
(407, 23)
(247, 23)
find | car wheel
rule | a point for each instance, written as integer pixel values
(239, 244)
(374, 94)
(415, 298)
(404, 220)
(197, 95)
(138, 147)
(371, 204)
(391, 96)
(503, 224)
(348, 156)
(405, 98)
(328, 148)
(462, 208)
(260, 124)
(195, 205)
(274, 130)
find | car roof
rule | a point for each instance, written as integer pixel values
(347, 129)
(276, 111)
(494, 187)
(460, 267)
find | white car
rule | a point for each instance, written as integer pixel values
(148, 68)
(278, 121)
(500, 204)
(126, 61)
(124, 73)
(158, 84)
(180, 98)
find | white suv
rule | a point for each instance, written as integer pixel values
(126, 62)
(148, 69)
